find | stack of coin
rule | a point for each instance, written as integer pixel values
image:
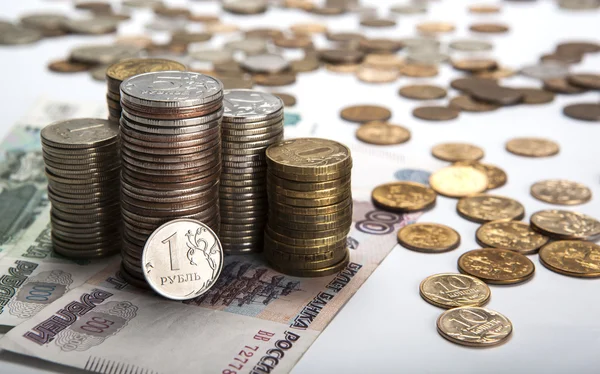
(82, 164)
(252, 121)
(118, 72)
(310, 206)
(171, 151)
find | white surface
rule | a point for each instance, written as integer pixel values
(386, 327)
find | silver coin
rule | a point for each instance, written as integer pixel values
(80, 133)
(142, 3)
(471, 45)
(43, 20)
(277, 118)
(250, 46)
(93, 26)
(546, 70)
(265, 63)
(13, 35)
(409, 8)
(182, 259)
(245, 6)
(427, 57)
(172, 127)
(104, 54)
(418, 43)
(214, 56)
(171, 89)
(250, 106)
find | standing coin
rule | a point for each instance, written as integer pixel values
(565, 225)
(422, 92)
(436, 113)
(403, 197)
(457, 152)
(451, 290)
(561, 192)
(382, 133)
(574, 258)
(532, 147)
(485, 208)
(514, 235)
(496, 176)
(365, 113)
(474, 326)
(428, 237)
(184, 249)
(458, 181)
(496, 266)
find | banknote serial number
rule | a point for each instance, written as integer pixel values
(243, 356)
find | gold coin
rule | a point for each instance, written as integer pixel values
(457, 152)
(484, 8)
(419, 71)
(422, 92)
(496, 266)
(485, 208)
(374, 74)
(496, 176)
(574, 258)
(458, 181)
(498, 73)
(428, 237)
(384, 61)
(128, 68)
(308, 28)
(514, 235)
(365, 113)
(342, 68)
(382, 133)
(433, 27)
(403, 197)
(565, 225)
(451, 290)
(561, 192)
(474, 326)
(532, 147)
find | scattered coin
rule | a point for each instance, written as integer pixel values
(274, 80)
(308, 28)
(380, 45)
(452, 290)
(484, 8)
(532, 147)
(468, 104)
(486, 208)
(384, 61)
(365, 113)
(496, 176)
(458, 181)
(422, 92)
(378, 23)
(419, 70)
(14, 35)
(428, 237)
(426, 57)
(409, 8)
(382, 133)
(288, 100)
(496, 266)
(265, 63)
(371, 74)
(471, 45)
(514, 235)
(572, 258)
(497, 95)
(546, 70)
(473, 65)
(498, 73)
(66, 66)
(583, 112)
(535, 95)
(457, 152)
(403, 197)
(435, 113)
(489, 28)
(561, 85)
(431, 27)
(565, 225)
(474, 326)
(561, 192)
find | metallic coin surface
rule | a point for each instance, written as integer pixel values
(457, 152)
(474, 326)
(365, 113)
(573, 258)
(66, 66)
(561, 85)
(514, 235)
(565, 225)
(419, 70)
(458, 181)
(308, 156)
(561, 192)
(468, 104)
(436, 113)
(80, 133)
(586, 80)
(536, 95)
(428, 237)
(489, 28)
(382, 133)
(423, 92)
(583, 111)
(532, 147)
(452, 290)
(128, 68)
(265, 63)
(250, 106)
(485, 208)
(546, 70)
(496, 266)
(182, 259)
(403, 197)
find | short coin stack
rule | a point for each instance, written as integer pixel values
(171, 150)
(82, 164)
(310, 206)
(118, 72)
(252, 121)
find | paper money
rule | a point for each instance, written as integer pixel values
(253, 320)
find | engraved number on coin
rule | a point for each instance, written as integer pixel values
(172, 240)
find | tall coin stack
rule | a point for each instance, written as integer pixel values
(82, 164)
(310, 206)
(171, 150)
(252, 121)
(118, 72)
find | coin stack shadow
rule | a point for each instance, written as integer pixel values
(310, 207)
(82, 165)
(252, 121)
(171, 151)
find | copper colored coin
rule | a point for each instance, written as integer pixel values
(435, 27)
(422, 92)
(584, 111)
(457, 152)
(305, 65)
(532, 147)
(365, 113)
(372, 74)
(468, 104)
(497, 95)
(295, 41)
(419, 71)
(66, 66)
(384, 61)
(380, 45)
(341, 56)
(484, 9)
(342, 68)
(577, 47)
(498, 73)
(474, 64)
(470, 83)
(564, 58)
(274, 80)
(589, 81)
(382, 133)
(489, 28)
(308, 28)
(378, 23)
(536, 95)
(436, 113)
(344, 37)
(561, 85)
(288, 100)
(496, 266)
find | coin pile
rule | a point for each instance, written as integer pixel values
(171, 151)
(118, 72)
(82, 164)
(252, 121)
(310, 206)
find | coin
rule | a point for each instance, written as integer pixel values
(365, 113)
(186, 250)
(382, 133)
(308, 28)
(584, 111)
(66, 66)
(377, 23)
(561, 85)
(419, 70)
(275, 80)
(496, 176)
(474, 326)
(546, 70)
(458, 181)
(532, 147)
(422, 92)
(403, 197)
(452, 290)
(103, 54)
(372, 74)
(468, 104)
(561, 192)
(265, 63)
(484, 8)
(489, 28)
(496, 266)
(474, 65)
(435, 113)
(434, 27)
(380, 45)
(485, 208)
(565, 225)
(536, 95)
(428, 237)
(457, 152)
(573, 258)
(513, 235)
(288, 100)
(498, 95)
(467, 45)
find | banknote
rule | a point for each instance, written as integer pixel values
(254, 320)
